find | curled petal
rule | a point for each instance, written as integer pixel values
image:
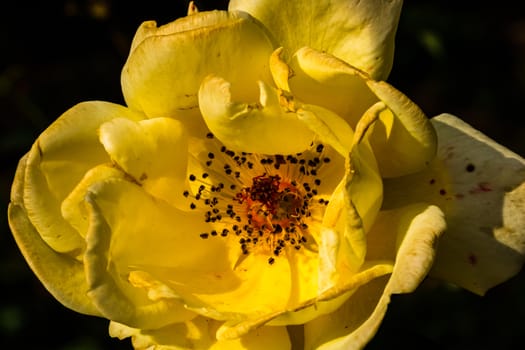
(199, 334)
(321, 79)
(402, 137)
(416, 229)
(480, 187)
(62, 275)
(364, 184)
(353, 210)
(358, 32)
(166, 65)
(322, 304)
(152, 152)
(350, 214)
(267, 127)
(141, 271)
(130, 231)
(73, 207)
(58, 160)
(328, 127)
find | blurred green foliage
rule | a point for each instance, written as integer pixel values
(466, 58)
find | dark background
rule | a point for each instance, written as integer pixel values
(462, 57)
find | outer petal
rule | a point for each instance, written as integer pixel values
(358, 32)
(480, 187)
(402, 138)
(322, 79)
(152, 152)
(57, 162)
(62, 275)
(355, 323)
(167, 64)
(199, 334)
(267, 127)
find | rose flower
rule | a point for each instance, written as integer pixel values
(264, 187)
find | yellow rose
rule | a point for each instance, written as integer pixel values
(264, 187)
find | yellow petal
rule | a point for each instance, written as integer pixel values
(328, 126)
(417, 228)
(144, 258)
(402, 138)
(358, 32)
(199, 334)
(267, 127)
(152, 152)
(131, 231)
(480, 187)
(167, 64)
(329, 332)
(57, 162)
(73, 207)
(309, 309)
(321, 79)
(62, 275)
(404, 141)
(352, 209)
(256, 281)
(355, 209)
(157, 255)
(364, 186)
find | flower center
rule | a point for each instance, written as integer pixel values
(268, 204)
(271, 202)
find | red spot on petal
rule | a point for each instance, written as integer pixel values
(472, 259)
(482, 187)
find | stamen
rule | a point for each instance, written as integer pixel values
(269, 203)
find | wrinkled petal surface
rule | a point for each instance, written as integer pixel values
(167, 64)
(62, 275)
(138, 232)
(60, 157)
(267, 126)
(358, 32)
(321, 79)
(73, 207)
(199, 333)
(402, 137)
(128, 232)
(416, 229)
(152, 152)
(480, 187)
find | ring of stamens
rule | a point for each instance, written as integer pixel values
(267, 202)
